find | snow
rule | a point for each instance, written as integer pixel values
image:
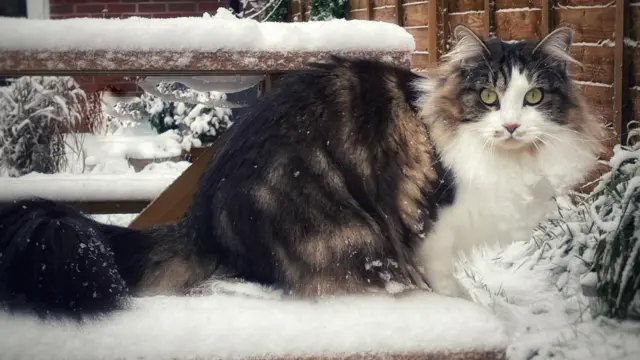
(145, 185)
(221, 32)
(107, 173)
(526, 9)
(257, 323)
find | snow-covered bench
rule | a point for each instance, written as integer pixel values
(228, 326)
(208, 45)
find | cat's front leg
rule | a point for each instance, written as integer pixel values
(437, 257)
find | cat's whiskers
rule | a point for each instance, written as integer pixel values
(580, 136)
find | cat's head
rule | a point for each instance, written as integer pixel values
(510, 98)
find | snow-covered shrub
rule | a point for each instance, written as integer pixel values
(171, 106)
(191, 114)
(276, 10)
(328, 9)
(595, 242)
(616, 211)
(35, 114)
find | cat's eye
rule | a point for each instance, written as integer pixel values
(489, 97)
(533, 97)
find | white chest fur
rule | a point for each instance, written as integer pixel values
(499, 199)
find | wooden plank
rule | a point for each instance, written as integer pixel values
(432, 15)
(465, 5)
(597, 64)
(415, 14)
(110, 207)
(140, 63)
(475, 21)
(518, 4)
(517, 25)
(600, 99)
(489, 18)
(635, 100)
(294, 11)
(546, 18)
(590, 24)
(421, 37)
(561, 3)
(399, 12)
(621, 106)
(173, 203)
(385, 14)
(359, 14)
(443, 26)
(358, 4)
(420, 61)
(370, 10)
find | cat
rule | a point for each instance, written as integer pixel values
(352, 176)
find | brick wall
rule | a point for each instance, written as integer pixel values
(64, 9)
(61, 9)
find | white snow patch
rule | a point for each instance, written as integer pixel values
(232, 327)
(466, 12)
(517, 10)
(145, 185)
(221, 32)
(591, 83)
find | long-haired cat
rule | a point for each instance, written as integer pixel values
(350, 176)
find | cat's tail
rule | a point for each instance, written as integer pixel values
(56, 262)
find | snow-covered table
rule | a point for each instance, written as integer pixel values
(218, 44)
(223, 326)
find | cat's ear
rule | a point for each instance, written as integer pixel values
(557, 45)
(467, 45)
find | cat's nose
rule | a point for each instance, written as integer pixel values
(511, 127)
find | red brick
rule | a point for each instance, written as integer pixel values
(88, 9)
(121, 8)
(182, 7)
(61, 9)
(140, 15)
(166, 15)
(152, 8)
(209, 7)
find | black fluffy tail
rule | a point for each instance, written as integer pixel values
(55, 261)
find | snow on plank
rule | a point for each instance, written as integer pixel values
(74, 188)
(222, 43)
(233, 326)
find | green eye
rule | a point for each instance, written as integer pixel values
(489, 97)
(533, 96)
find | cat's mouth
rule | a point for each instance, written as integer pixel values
(513, 143)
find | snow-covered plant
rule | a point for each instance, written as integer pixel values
(277, 11)
(594, 241)
(35, 114)
(171, 106)
(616, 211)
(328, 9)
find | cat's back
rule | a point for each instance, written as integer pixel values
(329, 167)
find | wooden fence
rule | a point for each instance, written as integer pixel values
(606, 42)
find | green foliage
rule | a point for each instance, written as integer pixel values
(328, 9)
